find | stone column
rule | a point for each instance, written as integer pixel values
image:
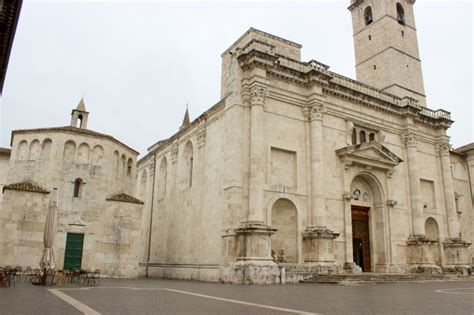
(418, 223)
(318, 240)
(251, 240)
(419, 253)
(455, 249)
(257, 153)
(448, 188)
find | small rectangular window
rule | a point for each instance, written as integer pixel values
(403, 33)
(375, 67)
(370, 37)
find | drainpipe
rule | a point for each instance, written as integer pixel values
(151, 214)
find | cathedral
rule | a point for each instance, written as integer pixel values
(295, 171)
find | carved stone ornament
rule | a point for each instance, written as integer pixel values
(151, 169)
(314, 111)
(410, 139)
(257, 95)
(443, 148)
(174, 153)
(201, 137)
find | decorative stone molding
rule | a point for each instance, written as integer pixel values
(456, 242)
(392, 203)
(419, 239)
(307, 112)
(201, 137)
(151, 170)
(258, 95)
(246, 95)
(174, 153)
(314, 111)
(410, 139)
(443, 148)
(320, 232)
(347, 195)
(254, 227)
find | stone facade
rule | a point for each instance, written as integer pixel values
(95, 175)
(300, 167)
(4, 161)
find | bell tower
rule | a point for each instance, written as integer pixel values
(79, 116)
(386, 47)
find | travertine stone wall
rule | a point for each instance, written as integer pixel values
(4, 162)
(188, 222)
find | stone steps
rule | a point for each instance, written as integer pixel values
(375, 278)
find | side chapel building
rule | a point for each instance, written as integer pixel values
(302, 167)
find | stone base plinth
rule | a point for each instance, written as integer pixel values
(456, 256)
(420, 255)
(318, 249)
(250, 272)
(351, 267)
(247, 254)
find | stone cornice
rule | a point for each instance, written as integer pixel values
(262, 55)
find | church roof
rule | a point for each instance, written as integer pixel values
(81, 107)
(124, 198)
(27, 186)
(5, 151)
(465, 148)
(71, 129)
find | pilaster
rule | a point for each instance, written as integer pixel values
(318, 240)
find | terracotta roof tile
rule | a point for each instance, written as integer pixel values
(5, 151)
(27, 186)
(124, 198)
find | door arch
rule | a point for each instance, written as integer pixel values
(370, 251)
(284, 217)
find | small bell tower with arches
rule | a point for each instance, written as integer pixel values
(79, 116)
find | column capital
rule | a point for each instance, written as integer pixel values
(410, 138)
(443, 148)
(258, 95)
(174, 153)
(314, 111)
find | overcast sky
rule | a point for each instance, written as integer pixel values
(138, 63)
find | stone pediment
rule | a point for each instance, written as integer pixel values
(371, 154)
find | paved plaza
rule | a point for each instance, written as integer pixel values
(156, 296)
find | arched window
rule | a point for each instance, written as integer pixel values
(78, 187)
(129, 167)
(46, 149)
(189, 164)
(372, 136)
(69, 153)
(79, 121)
(35, 150)
(400, 14)
(23, 149)
(362, 137)
(162, 178)
(368, 17)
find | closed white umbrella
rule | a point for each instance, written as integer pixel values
(47, 260)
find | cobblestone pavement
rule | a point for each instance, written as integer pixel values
(156, 296)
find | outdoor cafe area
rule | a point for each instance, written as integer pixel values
(9, 276)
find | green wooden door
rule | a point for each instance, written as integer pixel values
(73, 255)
